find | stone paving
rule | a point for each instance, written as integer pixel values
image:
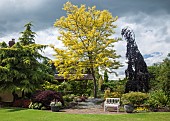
(90, 103)
(90, 106)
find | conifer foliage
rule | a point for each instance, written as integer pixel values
(20, 65)
(106, 77)
(136, 72)
(28, 35)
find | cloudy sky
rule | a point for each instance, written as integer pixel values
(149, 19)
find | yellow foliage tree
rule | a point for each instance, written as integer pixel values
(87, 36)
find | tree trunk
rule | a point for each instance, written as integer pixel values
(15, 96)
(95, 84)
(93, 74)
(23, 94)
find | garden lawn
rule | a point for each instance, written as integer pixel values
(18, 114)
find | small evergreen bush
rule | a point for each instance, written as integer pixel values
(69, 97)
(134, 98)
(109, 94)
(115, 95)
(106, 93)
(157, 99)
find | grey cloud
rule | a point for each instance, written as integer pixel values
(15, 13)
(148, 18)
(128, 7)
(167, 39)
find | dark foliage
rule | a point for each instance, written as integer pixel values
(45, 97)
(136, 72)
(11, 43)
(106, 77)
(21, 103)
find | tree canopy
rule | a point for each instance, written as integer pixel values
(20, 65)
(136, 72)
(28, 35)
(106, 77)
(161, 76)
(87, 37)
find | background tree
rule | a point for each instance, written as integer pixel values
(160, 84)
(21, 67)
(164, 76)
(28, 35)
(86, 35)
(106, 77)
(136, 72)
(161, 77)
(154, 71)
(100, 83)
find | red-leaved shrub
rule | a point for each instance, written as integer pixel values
(21, 103)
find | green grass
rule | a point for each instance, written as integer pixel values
(16, 114)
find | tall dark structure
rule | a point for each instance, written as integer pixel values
(136, 72)
(11, 43)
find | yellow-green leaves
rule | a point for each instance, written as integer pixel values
(87, 36)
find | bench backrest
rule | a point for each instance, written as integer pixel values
(112, 101)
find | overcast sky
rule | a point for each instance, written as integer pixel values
(149, 19)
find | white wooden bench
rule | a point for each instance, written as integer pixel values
(112, 102)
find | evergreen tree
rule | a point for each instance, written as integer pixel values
(28, 35)
(106, 77)
(21, 67)
(100, 83)
(136, 72)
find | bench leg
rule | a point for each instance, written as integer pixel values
(104, 108)
(117, 109)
